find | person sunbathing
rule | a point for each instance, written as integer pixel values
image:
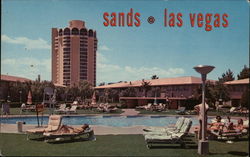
(81, 129)
(69, 129)
(216, 126)
(235, 128)
(239, 127)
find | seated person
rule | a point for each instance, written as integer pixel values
(216, 126)
(228, 120)
(235, 128)
(239, 127)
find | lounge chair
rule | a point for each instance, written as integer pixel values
(29, 108)
(72, 109)
(230, 131)
(145, 107)
(161, 107)
(175, 128)
(181, 110)
(169, 138)
(226, 134)
(140, 107)
(148, 107)
(53, 125)
(70, 132)
(232, 110)
(68, 110)
(111, 109)
(100, 107)
(106, 108)
(61, 109)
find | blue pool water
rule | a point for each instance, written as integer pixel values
(116, 121)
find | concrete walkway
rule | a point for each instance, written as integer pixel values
(129, 112)
(98, 129)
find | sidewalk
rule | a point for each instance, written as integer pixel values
(129, 112)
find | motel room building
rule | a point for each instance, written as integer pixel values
(236, 89)
(74, 54)
(171, 91)
(6, 81)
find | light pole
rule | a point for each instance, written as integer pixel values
(20, 92)
(203, 142)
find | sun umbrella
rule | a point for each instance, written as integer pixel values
(93, 100)
(155, 100)
(29, 101)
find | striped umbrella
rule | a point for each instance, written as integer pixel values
(93, 99)
(29, 100)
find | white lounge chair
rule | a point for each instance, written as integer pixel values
(175, 128)
(72, 109)
(61, 109)
(169, 138)
(182, 110)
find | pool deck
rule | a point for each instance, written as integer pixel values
(98, 129)
(129, 112)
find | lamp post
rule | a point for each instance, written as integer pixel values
(203, 142)
(20, 92)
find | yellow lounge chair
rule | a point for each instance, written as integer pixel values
(53, 125)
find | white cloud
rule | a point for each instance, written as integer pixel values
(107, 72)
(114, 73)
(101, 58)
(26, 42)
(9, 61)
(104, 48)
(146, 72)
(27, 67)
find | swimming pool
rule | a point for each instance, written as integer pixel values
(115, 121)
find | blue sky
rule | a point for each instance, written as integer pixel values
(126, 53)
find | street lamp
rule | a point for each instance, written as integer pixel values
(203, 142)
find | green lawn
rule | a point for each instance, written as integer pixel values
(113, 145)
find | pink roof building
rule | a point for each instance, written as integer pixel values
(169, 89)
(10, 78)
(236, 88)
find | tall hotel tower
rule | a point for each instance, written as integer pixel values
(74, 54)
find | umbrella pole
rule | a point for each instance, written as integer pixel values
(37, 116)
(50, 108)
(42, 120)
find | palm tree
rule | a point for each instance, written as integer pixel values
(106, 94)
(145, 86)
(85, 89)
(154, 77)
